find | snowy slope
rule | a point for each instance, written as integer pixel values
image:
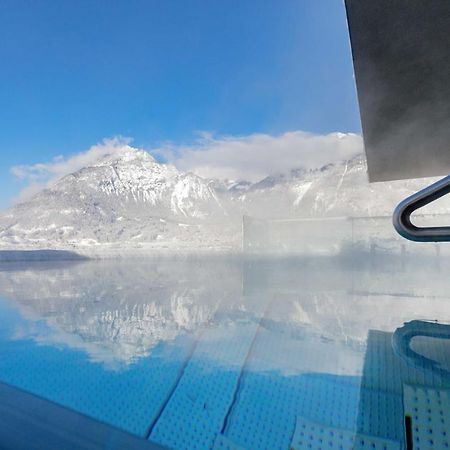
(332, 191)
(124, 199)
(129, 201)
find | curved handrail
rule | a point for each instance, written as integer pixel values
(402, 214)
(402, 337)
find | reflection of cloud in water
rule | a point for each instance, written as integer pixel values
(118, 311)
(342, 298)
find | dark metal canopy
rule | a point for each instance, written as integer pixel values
(401, 54)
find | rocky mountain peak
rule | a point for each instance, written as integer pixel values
(126, 155)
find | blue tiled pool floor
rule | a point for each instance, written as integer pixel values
(127, 397)
(271, 370)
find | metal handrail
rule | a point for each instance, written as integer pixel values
(402, 214)
(401, 344)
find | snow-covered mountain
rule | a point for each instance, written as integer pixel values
(127, 200)
(334, 190)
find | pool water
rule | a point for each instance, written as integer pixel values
(227, 353)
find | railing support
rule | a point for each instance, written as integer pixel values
(402, 214)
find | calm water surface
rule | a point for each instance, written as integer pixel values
(223, 353)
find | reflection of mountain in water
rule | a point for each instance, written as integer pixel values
(120, 310)
(223, 334)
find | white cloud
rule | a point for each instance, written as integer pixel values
(29, 191)
(255, 156)
(60, 165)
(41, 175)
(251, 157)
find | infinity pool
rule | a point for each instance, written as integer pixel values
(228, 353)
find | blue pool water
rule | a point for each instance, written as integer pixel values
(221, 353)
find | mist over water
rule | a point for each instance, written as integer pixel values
(117, 311)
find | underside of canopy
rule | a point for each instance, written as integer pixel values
(401, 55)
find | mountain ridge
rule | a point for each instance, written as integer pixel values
(127, 199)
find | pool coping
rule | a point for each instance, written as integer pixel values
(31, 422)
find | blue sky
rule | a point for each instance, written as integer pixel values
(75, 72)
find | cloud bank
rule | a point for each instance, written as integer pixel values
(250, 158)
(41, 175)
(256, 156)
(60, 166)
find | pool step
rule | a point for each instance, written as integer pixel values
(128, 398)
(286, 378)
(196, 412)
(224, 443)
(316, 436)
(428, 412)
(385, 396)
